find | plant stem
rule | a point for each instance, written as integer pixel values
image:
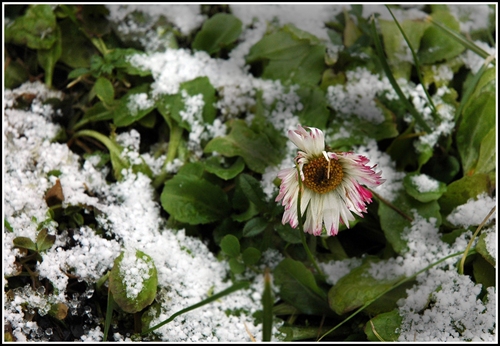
(462, 262)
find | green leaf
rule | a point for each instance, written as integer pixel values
(358, 287)
(255, 148)
(267, 307)
(437, 45)
(193, 200)
(393, 224)
(484, 272)
(486, 161)
(47, 58)
(213, 165)
(133, 106)
(298, 288)
(477, 120)
(255, 226)
(460, 191)
(251, 256)
(396, 47)
(288, 234)
(315, 112)
(230, 245)
(25, 243)
(104, 90)
(252, 189)
(482, 248)
(7, 225)
(37, 29)
(44, 240)
(288, 58)
(15, 73)
(236, 266)
(386, 325)
(413, 182)
(132, 294)
(218, 32)
(76, 47)
(98, 112)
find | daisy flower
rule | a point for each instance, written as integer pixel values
(330, 184)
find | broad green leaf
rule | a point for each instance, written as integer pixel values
(476, 121)
(37, 29)
(255, 148)
(104, 90)
(423, 187)
(358, 287)
(193, 200)
(15, 73)
(482, 248)
(218, 32)
(132, 294)
(252, 189)
(395, 46)
(486, 161)
(298, 287)
(255, 226)
(98, 112)
(387, 325)
(76, 48)
(213, 165)
(25, 243)
(230, 245)
(286, 58)
(460, 191)
(44, 240)
(484, 272)
(393, 224)
(288, 234)
(351, 31)
(315, 112)
(251, 256)
(437, 45)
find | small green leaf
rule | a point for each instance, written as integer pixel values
(104, 90)
(76, 48)
(254, 226)
(44, 240)
(288, 234)
(133, 106)
(299, 288)
(386, 325)
(267, 307)
(251, 256)
(47, 58)
(315, 112)
(217, 32)
(25, 243)
(213, 165)
(133, 292)
(230, 245)
(484, 272)
(255, 148)
(193, 200)
(423, 187)
(7, 225)
(236, 266)
(36, 29)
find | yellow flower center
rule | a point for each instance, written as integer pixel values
(321, 175)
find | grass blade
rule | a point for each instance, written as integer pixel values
(267, 303)
(383, 61)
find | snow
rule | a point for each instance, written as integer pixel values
(424, 183)
(473, 212)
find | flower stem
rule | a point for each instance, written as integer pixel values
(301, 229)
